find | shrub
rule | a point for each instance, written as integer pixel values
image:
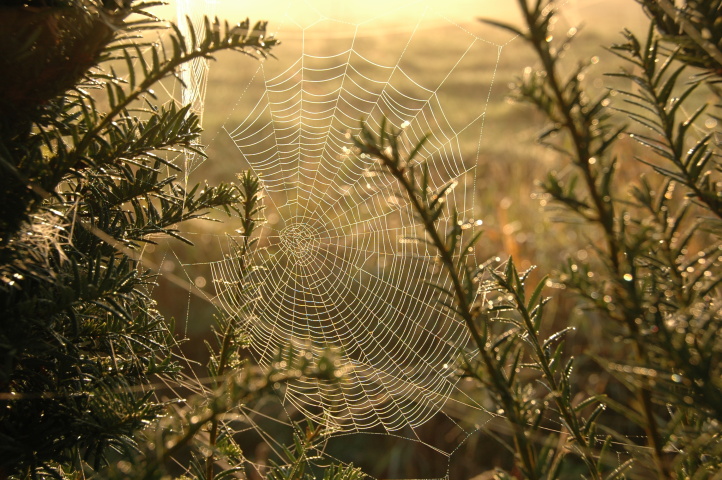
(88, 178)
(650, 275)
(85, 187)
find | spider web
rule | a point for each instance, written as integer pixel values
(340, 262)
(194, 74)
(340, 266)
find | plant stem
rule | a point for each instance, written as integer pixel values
(213, 433)
(499, 382)
(249, 199)
(581, 137)
(569, 417)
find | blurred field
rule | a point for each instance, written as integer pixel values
(507, 161)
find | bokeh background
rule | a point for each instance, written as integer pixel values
(506, 162)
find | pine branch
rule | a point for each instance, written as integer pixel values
(501, 377)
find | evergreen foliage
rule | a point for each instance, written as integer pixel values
(653, 283)
(86, 181)
(650, 276)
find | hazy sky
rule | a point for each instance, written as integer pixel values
(384, 14)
